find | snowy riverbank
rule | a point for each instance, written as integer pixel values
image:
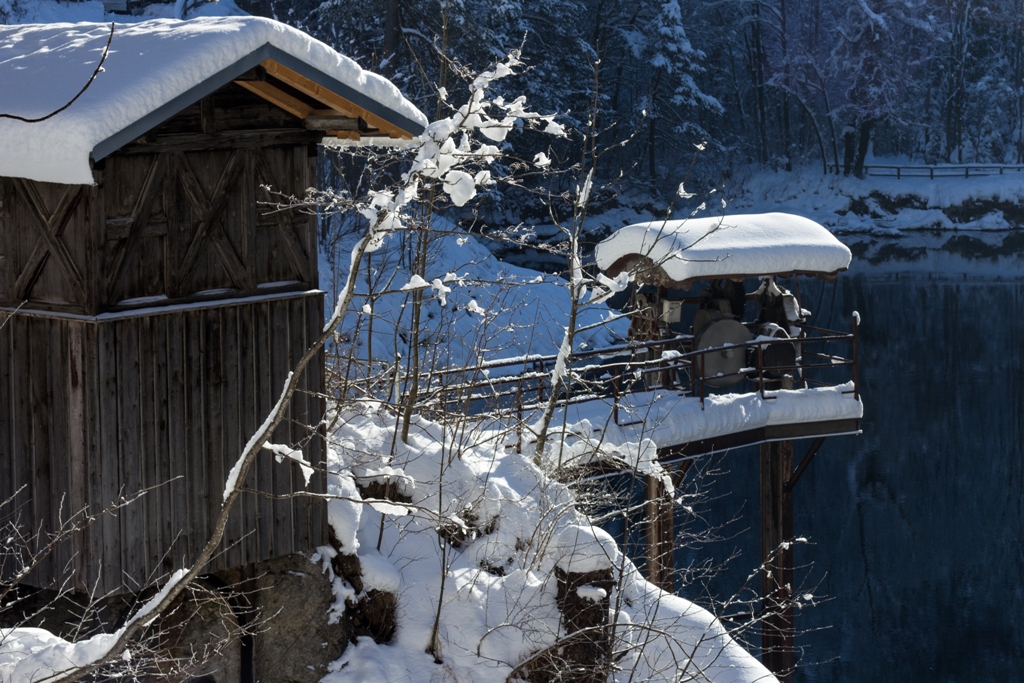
(883, 205)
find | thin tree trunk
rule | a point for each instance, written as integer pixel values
(651, 147)
(787, 139)
(849, 148)
(862, 146)
(1017, 26)
(392, 36)
(817, 133)
(757, 73)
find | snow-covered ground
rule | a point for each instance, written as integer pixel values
(829, 199)
(498, 604)
(475, 306)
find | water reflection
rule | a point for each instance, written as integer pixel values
(916, 526)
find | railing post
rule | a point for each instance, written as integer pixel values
(898, 169)
(760, 369)
(856, 373)
(702, 381)
(697, 378)
(615, 394)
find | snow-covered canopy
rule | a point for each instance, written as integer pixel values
(154, 70)
(757, 244)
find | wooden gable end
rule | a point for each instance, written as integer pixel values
(187, 212)
(195, 205)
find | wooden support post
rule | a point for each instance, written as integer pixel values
(661, 529)
(777, 652)
(659, 562)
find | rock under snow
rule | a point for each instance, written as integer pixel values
(586, 548)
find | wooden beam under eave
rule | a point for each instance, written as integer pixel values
(333, 122)
(331, 99)
(278, 97)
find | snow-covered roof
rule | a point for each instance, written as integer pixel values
(757, 244)
(154, 70)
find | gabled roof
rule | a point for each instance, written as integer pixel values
(154, 70)
(724, 247)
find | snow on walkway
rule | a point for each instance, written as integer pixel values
(663, 418)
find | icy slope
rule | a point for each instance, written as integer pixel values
(475, 306)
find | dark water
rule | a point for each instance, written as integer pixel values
(917, 526)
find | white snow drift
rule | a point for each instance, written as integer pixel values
(498, 604)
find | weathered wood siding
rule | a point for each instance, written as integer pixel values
(107, 388)
(96, 410)
(203, 231)
(47, 254)
(180, 215)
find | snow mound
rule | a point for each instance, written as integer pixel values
(586, 549)
(497, 585)
(151, 63)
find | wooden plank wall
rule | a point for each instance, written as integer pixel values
(30, 268)
(180, 226)
(37, 366)
(95, 409)
(162, 402)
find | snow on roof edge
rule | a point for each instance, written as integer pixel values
(155, 69)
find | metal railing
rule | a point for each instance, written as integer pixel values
(616, 371)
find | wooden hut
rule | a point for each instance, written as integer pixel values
(150, 307)
(717, 349)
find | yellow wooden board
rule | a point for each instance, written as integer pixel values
(331, 99)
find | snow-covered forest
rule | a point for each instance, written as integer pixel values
(772, 82)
